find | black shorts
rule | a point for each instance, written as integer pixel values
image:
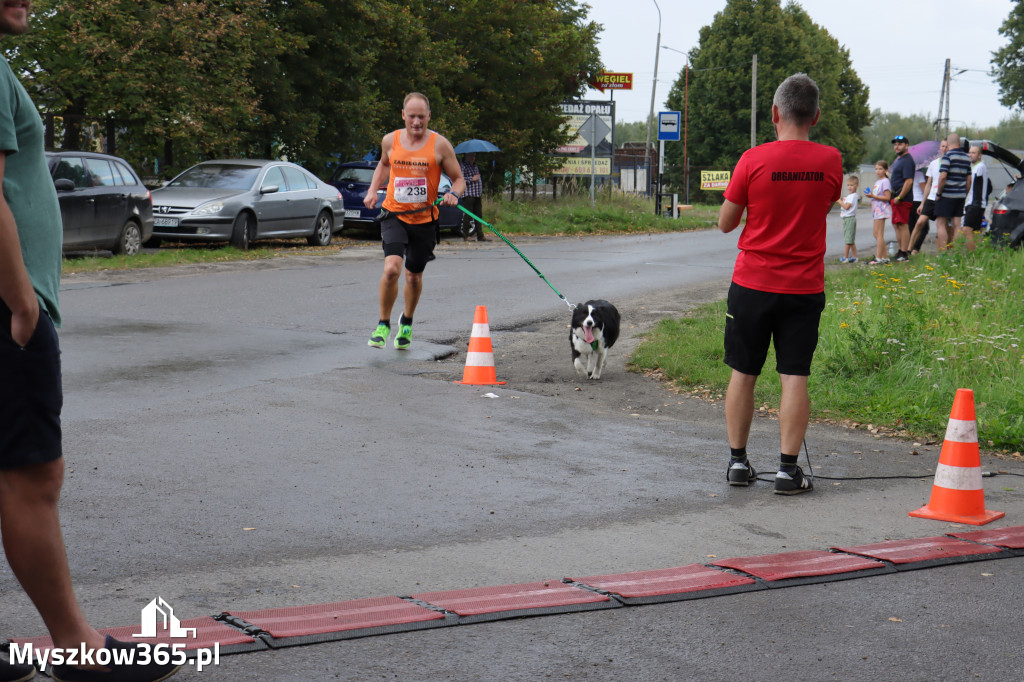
(972, 216)
(949, 208)
(928, 209)
(756, 319)
(414, 243)
(31, 397)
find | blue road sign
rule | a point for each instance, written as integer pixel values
(669, 125)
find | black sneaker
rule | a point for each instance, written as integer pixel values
(902, 257)
(16, 672)
(740, 473)
(792, 484)
(117, 672)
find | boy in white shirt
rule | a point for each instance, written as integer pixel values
(848, 213)
(926, 211)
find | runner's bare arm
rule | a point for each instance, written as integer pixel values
(381, 173)
(450, 165)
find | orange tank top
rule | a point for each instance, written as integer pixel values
(415, 176)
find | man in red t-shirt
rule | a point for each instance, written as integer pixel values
(778, 284)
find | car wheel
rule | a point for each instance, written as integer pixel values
(322, 230)
(242, 231)
(129, 242)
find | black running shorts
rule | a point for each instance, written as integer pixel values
(414, 243)
(973, 215)
(31, 397)
(756, 319)
(949, 208)
(928, 209)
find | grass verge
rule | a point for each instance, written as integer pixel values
(572, 215)
(895, 343)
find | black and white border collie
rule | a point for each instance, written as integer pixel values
(595, 327)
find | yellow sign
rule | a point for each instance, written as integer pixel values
(576, 165)
(714, 180)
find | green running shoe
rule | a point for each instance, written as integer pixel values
(404, 337)
(380, 336)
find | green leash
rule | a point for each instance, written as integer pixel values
(521, 254)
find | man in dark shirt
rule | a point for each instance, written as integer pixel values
(901, 177)
(954, 184)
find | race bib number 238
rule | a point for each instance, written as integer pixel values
(410, 190)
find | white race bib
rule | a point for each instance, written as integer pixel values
(410, 190)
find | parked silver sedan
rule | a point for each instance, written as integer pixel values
(242, 200)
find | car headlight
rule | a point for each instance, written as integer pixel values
(211, 208)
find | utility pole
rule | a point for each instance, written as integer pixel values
(753, 103)
(654, 89)
(942, 122)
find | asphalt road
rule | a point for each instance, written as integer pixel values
(232, 443)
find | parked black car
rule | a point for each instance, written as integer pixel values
(103, 203)
(353, 178)
(1007, 226)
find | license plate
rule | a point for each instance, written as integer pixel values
(352, 213)
(165, 222)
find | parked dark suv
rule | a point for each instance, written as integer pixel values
(103, 203)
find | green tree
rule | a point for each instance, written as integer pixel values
(631, 131)
(886, 125)
(514, 74)
(786, 41)
(312, 80)
(159, 73)
(1008, 61)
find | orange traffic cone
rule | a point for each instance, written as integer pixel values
(957, 494)
(480, 356)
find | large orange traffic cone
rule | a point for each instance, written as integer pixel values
(480, 356)
(957, 494)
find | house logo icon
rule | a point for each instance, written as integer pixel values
(159, 609)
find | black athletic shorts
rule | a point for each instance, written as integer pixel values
(31, 397)
(756, 319)
(414, 243)
(928, 209)
(949, 208)
(973, 215)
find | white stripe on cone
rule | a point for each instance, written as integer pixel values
(958, 478)
(480, 359)
(962, 431)
(480, 329)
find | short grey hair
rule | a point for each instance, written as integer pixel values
(797, 99)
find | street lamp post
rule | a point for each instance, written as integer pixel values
(654, 88)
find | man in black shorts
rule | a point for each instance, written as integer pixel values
(926, 211)
(954, 184)
(411, 162)
(778, 285)
(977, 197)
(31, 398)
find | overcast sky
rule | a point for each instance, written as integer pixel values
(899, 50)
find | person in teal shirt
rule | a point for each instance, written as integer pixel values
(31, 395)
